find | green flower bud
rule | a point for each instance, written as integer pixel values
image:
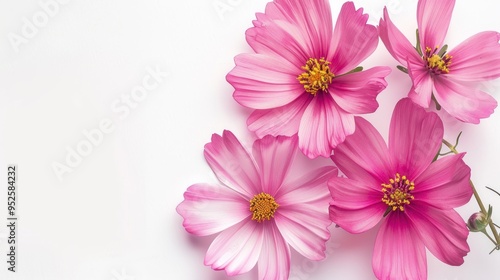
(478, 222)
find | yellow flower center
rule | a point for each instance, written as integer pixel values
(397, 193)
(263, 206)
(316, 75)
(437, 62)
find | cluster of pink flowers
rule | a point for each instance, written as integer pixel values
(307, 89)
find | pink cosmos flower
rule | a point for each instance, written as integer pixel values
(259, 211)
(304, 77)
(451, 78)
(401, 187)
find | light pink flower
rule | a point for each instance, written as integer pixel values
(453, 77)
(402, 181)
(259, 211)
(300, 80)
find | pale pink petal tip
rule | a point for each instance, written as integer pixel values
(205, 208)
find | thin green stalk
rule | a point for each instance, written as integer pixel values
(478, 199)
(489, 237)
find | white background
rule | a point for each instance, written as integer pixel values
(113, 217)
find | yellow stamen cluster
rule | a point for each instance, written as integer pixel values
(438, 64)
(397, 193)
(263, 206)
(316, 75)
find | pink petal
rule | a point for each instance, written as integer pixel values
(445, 184)
(356, 207)
(232, 165)
(305, 228)
(399, 252)
(477, 58)
(274, 261)
(284, 120)
(274, 155)
(443, 232)
(463, 100)
(310, 188)
(205, 209)
(302, 216)
(312, 16)
(236, 249)
(414, 138)
(364, 156)
(356, 92)
(281, 39)
(263, 82)
(355, 195)
(433, 17)
(395, 42)
(323, 126)
(423, 84)
(353, 40)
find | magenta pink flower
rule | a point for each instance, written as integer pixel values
(451, 78)
(260, 211)
(303, 77)
(401, 182)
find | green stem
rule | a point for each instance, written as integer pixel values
(402, 69)
(496, 248)
(479, 201)
(438, 106)
(492, 240)
(357, 69)
(419, 50)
